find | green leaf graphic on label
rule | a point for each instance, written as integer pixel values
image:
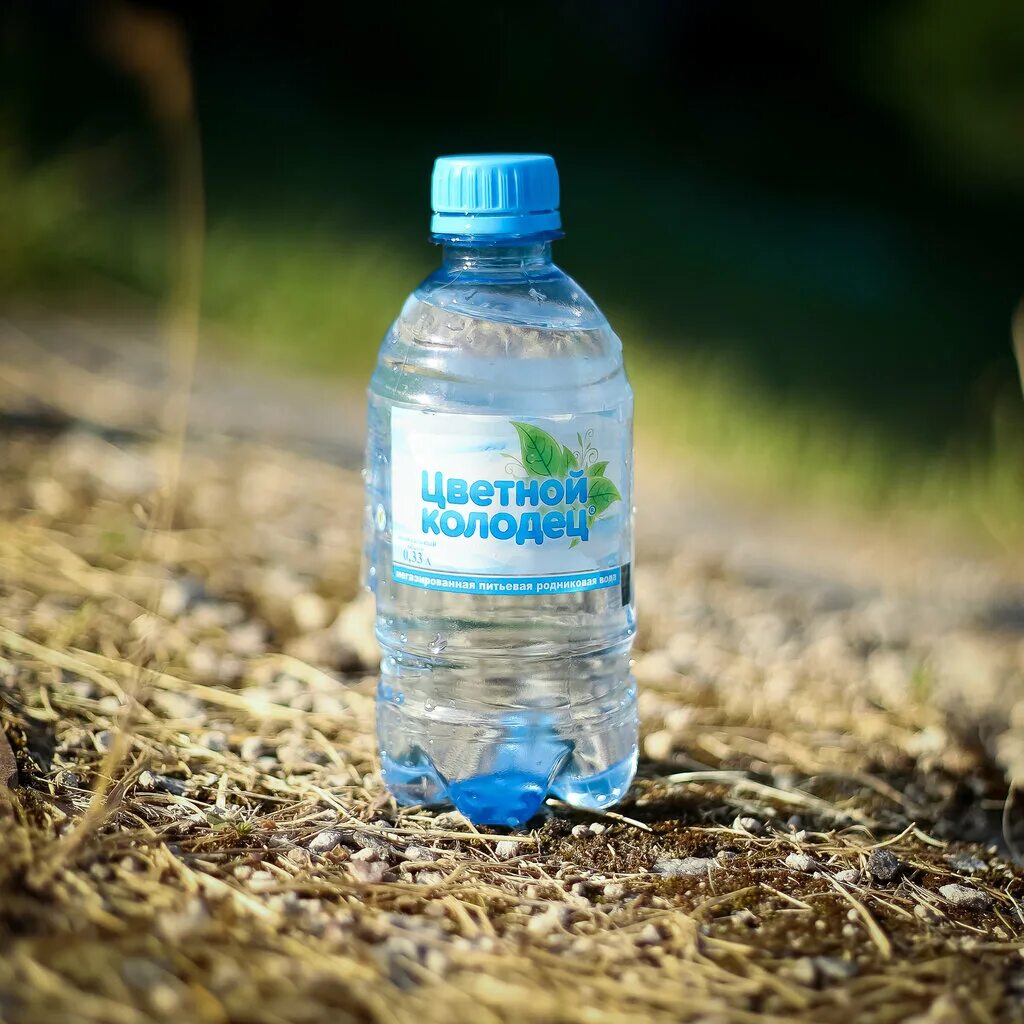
(575, 541)
(571, 462)
(543, 456)
(597, 469)
(600, 494)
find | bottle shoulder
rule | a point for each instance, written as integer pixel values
(485, 343)
(544, 297)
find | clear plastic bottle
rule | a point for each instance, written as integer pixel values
(499, 515)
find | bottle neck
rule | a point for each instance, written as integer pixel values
(496, 259)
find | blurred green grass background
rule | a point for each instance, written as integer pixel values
(805, 228)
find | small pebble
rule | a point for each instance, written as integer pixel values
(650, 936)
(967, 863)
(614, 890)
(597, 828)
(109, 705)
(179, 596)
(506, 849)
(247, 640)
(324, 842)
(370, 872)
(883, 865)
(580, 830)
(802, 862)
(420, 853)
(965, 898)
(365, 855)
(851, 876)
(549, 920)
(802, 971)
(214, 740)
(684, 867)
(430, 877)
(833, 968)
(381, 847)
(217, 614)
(166, 784)
(749, 825)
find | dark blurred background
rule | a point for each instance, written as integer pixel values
(805, 220)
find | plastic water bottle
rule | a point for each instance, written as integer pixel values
(499, 478)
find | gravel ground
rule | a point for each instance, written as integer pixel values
(194, 828)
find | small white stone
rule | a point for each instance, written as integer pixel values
(597, 828)
(429, 877)
(370, 872)
(747, 824)
(802, 862)
(324, 842)
(802, 971)
(215, 740)
(506, 849)
(420, 853)
(929, 914)
(965, 898)
(553, 918)
(248, 639)
(178, 596)
(580, 830)
(685, 867)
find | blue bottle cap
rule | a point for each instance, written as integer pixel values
(494, 195)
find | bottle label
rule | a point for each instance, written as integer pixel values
(498, 505)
